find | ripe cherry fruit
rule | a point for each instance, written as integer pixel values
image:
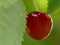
(39, 25)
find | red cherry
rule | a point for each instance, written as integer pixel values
(39, 25)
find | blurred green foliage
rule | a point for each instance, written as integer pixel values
(53, 5)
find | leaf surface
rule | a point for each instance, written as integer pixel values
(53, 5)
(12, 22)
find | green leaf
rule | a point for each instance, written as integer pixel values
(53, 5)
(30, 5)
(36, 5)
(42, 5)
(12, 22)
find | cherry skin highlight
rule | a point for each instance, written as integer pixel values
(39, 25)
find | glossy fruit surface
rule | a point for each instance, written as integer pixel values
(39, 25)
